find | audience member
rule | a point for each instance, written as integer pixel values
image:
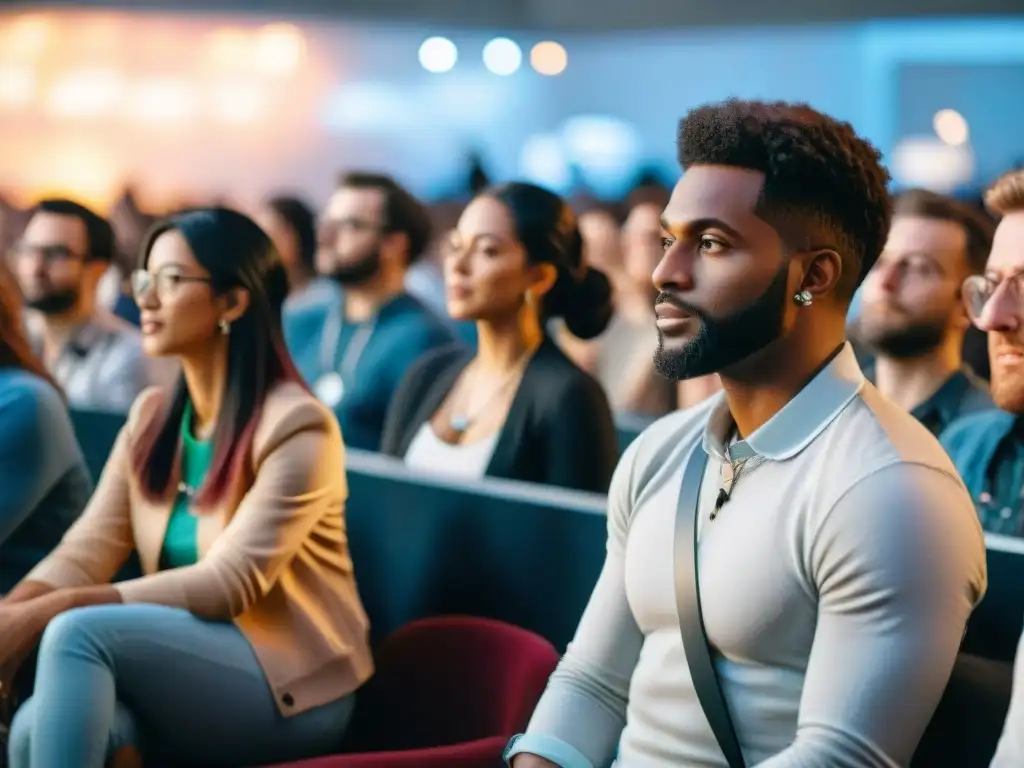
(245, 639)
(602, 250)
(600, 231)
(988, 447)
(94, 356)
(371, 232)
(624, 354)
(291, 225)
(515, 408)
(425, 278)
(42, 472)
(622, 357)
(834, 582)
(913, 317)
(130, 225)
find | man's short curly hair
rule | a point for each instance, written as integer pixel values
(824, 186)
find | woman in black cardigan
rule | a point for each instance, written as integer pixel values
(517, 408)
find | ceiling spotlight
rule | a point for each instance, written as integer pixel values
(438, 54)
(502, 56)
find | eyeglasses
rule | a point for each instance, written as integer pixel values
(330, 228)
(166, 284)
(912, 264)
(50, 254)
(978, 291)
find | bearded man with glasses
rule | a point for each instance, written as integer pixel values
(988, 448)
(913, 317)
(353, 353)
(95, 357)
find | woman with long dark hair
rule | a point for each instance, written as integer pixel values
(245, 638)
(516, 408)
(44, 483)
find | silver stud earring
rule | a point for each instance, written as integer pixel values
(224, 326)
(804, 298)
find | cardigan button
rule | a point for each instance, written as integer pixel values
(288, 700)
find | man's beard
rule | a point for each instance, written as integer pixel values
(1007, 392)
(358, 272)
(912, 340)
(1006, 388)
(722, 342)
(55, 302)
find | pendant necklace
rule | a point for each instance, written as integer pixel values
(730, 475)
(331, 385)
(460, 420)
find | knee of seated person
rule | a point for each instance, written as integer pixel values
(21, 735)
(69, 630)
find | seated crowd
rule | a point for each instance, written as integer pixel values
(209, 570)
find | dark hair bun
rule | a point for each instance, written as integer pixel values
(585, 303)
(546, 227)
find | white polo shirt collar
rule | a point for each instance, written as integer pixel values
(800, 421)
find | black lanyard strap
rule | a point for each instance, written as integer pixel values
(691, 619)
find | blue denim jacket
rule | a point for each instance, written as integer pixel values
(989, 454)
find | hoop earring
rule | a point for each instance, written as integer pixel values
(225, 327)
(804, 299)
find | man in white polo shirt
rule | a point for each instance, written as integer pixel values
(839, 553)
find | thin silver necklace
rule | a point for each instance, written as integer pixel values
(729, 475)
(459, 421)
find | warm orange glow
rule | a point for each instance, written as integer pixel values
(85, 93)
(279, 49)
(179, 105)
(549, 58)
(951, 127)
(99, 37)
(162, 101)
(17, 86)
(238, 102)
(25, 38)
(229, 50)
(81, 170)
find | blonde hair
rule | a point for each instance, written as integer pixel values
(1006, 195)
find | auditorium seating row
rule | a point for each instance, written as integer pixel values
(426, 546)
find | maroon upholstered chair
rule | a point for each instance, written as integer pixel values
(483, 753)
(448, 692)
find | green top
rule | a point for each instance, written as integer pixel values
(180, 541)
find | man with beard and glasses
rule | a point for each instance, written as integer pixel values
(356, 352)
(988, 447)
(912, 316)
(96, 357)
(839, 553)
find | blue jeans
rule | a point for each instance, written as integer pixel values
(166, 682)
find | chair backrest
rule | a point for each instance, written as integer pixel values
(429, 546)
(450, 680)
(96, 432)
(628, 427)
(969, 720)
(996, 624)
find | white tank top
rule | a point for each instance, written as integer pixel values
(430, 453)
